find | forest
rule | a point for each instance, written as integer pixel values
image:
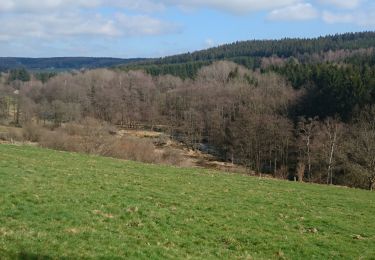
(293, 109)
(252, 54)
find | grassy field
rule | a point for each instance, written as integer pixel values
(63, 205)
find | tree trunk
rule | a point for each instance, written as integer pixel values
(371, 182)
(330, 173)
(309, 158)
(300, 171)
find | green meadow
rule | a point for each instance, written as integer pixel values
(56, 205)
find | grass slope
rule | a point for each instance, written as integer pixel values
(55, 204)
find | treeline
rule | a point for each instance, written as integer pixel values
(250, 118)
(182, 70)
(189, 70)
(282, 48)
(60, 63)
(22, 75)
(251, 53)
(331, 89)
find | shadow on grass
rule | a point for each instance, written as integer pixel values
(23, 255)
(32, 256)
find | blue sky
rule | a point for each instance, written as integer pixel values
(154, 28)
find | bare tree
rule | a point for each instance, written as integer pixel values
(306, 131)
(332, 131)
(300, 171)
(361, 150)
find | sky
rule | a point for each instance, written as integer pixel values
(157, 28)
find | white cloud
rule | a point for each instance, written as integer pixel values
(347, 4)
(238, 6)
(57, 19)
(5, 38)
(43, 5)
(367, 19)
(300, 11)
(31, 6)
(360, 18)
(70, 24)
(331, 18)
(51, 24)
(144, 25)
(208, 43)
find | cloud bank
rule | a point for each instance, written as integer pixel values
(346, 4)
(300, 11)
(84, 22)
(143, 5)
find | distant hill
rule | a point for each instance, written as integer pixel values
(246, 53)
(250, 53)
(285, 48)
(61, 63)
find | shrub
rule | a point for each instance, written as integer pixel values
(134, 149)
(53, 140)
(161, 140)
(32, 132)
(12, 135)
(94, 137)
(282, 172)
(172, 157)
(72, 129)
(59, 140)
(301, 171)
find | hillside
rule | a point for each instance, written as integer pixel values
(287, 47)
(250, 53)
(55, 204)
(63, 63)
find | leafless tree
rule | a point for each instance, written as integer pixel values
(333, 132)
(361, 150)
(307, 131)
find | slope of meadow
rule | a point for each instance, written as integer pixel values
(55, 204)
